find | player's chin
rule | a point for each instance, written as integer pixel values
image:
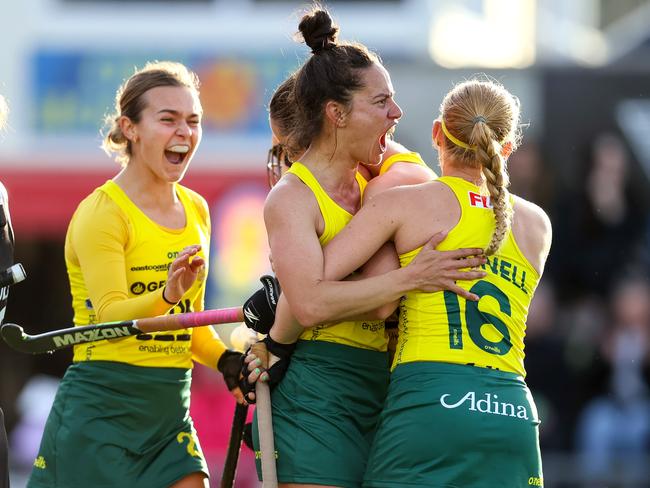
(177, 173)
(374, 157)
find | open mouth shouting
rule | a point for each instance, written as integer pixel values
(177, 154)
(384, 137)
(382, 142)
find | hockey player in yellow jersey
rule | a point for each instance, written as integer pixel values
(458, 411)
(137, 247)
(398, 166)
(326, 407)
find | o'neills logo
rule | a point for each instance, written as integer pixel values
(489, 404)
(91, 335)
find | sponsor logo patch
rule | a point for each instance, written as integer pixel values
(479, 201)
(489, 404)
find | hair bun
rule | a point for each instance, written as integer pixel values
(318, 31)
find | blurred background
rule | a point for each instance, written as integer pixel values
(581, 69)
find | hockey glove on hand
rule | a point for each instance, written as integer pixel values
(259, 309)
(279, 357)
(230, 366)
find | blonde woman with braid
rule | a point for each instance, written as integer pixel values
(458, 412)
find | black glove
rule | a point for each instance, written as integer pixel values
(230, 366)
(259, 309)
(275, 372)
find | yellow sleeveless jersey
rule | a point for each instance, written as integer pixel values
(409, 157)
(118, 253)
(490, 333)
(361, 334)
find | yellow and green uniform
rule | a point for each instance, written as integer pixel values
(457, 385)
(490, 333)
(363, 334)
(117, 260)
(325, 410)
(121, 415)
(408, 157)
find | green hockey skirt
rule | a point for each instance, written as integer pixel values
(117, 425)
(455, 426)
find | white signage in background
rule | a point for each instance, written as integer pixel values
(498, 34)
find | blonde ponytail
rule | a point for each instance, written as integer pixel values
(480, 120)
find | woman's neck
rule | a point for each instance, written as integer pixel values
(472, 174)
(144, 188)
(333, 169)
(156, 198)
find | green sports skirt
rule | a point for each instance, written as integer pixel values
(455, 426)
(117, 425)
(325, 412)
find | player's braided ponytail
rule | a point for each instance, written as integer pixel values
(488, 154)
(480, 119)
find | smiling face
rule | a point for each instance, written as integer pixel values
(373, 113)
(164, 140)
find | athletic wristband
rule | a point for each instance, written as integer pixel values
(278, 349)
(165, 298)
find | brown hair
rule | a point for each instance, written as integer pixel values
(282, 112)
(331, 73)
(130, 101)
(482, 121)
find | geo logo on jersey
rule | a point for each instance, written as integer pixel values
(478, 200)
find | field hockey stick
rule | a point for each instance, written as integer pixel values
(265, 422)
(11, 276)
(234, 446)
(240, 340)
(14, 335)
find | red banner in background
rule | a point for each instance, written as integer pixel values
(42, 201)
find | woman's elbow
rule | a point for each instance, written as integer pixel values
(385, 311)
(104, 314)
(310, 315)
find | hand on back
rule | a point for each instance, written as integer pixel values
(439, 270)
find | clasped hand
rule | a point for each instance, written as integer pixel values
(253, 368)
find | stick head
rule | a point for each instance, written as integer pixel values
(12, 334)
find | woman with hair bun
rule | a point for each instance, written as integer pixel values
(138, 247)
(458, 411)
(326, 407)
